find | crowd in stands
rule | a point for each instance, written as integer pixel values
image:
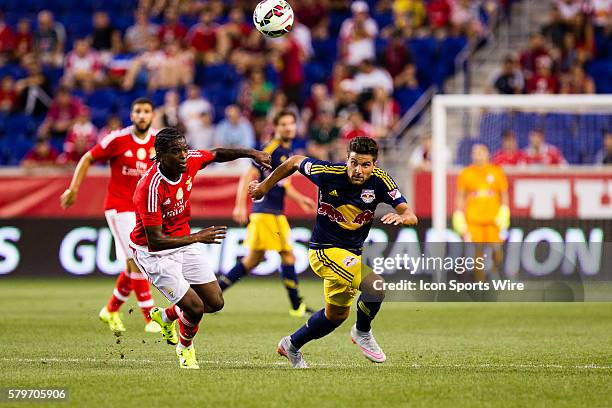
(570, 54)
(347, 69)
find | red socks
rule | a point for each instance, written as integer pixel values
(122, 290)
(143, 294)
(187, 330)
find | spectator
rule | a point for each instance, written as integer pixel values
(203, 38)
(465, 14)
(319, 100)
(167, 115)
(105, 38)
(235, 130)
(113, 123)
(397, 55)
(356, 126)
(192, 110)
(384, 113)
(42, 154)
(310, 12)
(407, 79)
(420, 159)
(411, 13)
(323, 136)
(24, 43)
(49, 40)
(556, 28)
(509, 154)
(7, 40)
(357, 35)
(172, 30)
(541, 153)
(204, 139)
(370, 77)
(347, 101)
(569, 8)
(290, 63)
(438, 13)
(577, 82)
(80, 139)
(177, 67)
(508, 79)
(544, 81)
(62, 114)
(137, 36)
(602, 12)
(83, 67)
(147, 67)
(256, 94)
(235, 32)
(301, 34)
(528, 58)
(34, 89)
(604, 156)
(8, 95)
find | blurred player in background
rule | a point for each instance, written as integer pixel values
(481, 211)
(164, 247)
(268, 228)
(129, 152)
(348, 196)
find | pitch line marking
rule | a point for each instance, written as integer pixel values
(322, 365)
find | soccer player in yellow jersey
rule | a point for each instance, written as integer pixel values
(481, 205)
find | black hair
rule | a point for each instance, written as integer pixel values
(283, 113)
(143, 100)
(164, 139)
(364, 145)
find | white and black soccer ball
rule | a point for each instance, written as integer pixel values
(273, 18)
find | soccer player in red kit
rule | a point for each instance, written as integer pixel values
(163, 246)
(129, 152)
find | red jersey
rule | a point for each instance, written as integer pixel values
(505, 158)
(160, 201)
(547, 155)
(129, 158)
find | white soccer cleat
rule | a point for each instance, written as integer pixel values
(286, 349)
(368, 345)
(152, 327)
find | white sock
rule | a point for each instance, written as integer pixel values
(180, 346)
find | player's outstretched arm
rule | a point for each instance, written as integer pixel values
(158, 241)
(222, 155)
(306, 203)
(69, 196)
(289, 166)
(240, 208)
(404, 216)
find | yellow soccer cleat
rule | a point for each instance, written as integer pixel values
(168, 330)
(187, 357)
(112, 319)
(152, 327)
(301, 311)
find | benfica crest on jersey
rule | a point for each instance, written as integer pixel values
(367, 196)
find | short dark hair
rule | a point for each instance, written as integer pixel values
(364, 145)
(164, 139)
(283, 113)
(142, 101)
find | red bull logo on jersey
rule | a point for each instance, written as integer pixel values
(347, 216)
(367, 196)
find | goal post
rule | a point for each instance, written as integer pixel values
(456, 117)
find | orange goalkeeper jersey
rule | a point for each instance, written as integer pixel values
(483, 186)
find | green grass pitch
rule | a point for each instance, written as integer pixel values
(439, 354)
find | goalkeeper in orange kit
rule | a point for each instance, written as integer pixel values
(481, 211)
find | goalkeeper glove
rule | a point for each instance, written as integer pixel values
(502, 220)
(459, 222)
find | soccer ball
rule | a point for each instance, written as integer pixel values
(273, 18)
